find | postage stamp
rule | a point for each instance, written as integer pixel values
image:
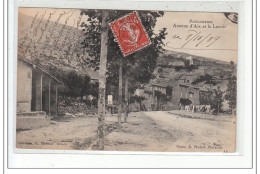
(130, 33)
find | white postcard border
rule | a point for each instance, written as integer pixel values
(95, 159)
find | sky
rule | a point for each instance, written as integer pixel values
(217, 42)
(224, 48)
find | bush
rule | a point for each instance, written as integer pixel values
(185, 101)
(208, 79)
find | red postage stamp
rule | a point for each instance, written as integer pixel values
(130, 33)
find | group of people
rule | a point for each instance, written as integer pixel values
(196, 108)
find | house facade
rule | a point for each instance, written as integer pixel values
(37, 90)
(186, 92)
(158, 96)
(171, 100)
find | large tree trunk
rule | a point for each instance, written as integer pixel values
(126, 98)
(102, 81)
(120, 94)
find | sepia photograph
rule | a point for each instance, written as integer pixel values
(126, 80)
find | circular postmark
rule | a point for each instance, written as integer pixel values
(233, 17)
(130, 33)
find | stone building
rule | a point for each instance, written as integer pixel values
(37, 92)
(184, 91)
(158, 96)
(174, 91)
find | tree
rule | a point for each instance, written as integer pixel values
(207, 79)
(102, 80)
(206, 97)
(185, 101)
(138, 99)
(139, 66)
(87, 87)
(74, 83)
(217, 102)
(92, 31)
(231, 92)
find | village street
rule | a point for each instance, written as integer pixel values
(144, 131)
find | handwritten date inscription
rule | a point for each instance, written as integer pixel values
(196, 38)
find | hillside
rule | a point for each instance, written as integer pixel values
(186, 68)
(51, 44)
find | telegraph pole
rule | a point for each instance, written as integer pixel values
(120, 93)
(102, 81)
(126, 98)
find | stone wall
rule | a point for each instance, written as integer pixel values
(176, 95)
(196, 97)
(179, 91)
(24, 86)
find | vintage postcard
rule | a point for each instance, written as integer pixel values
(117, 80)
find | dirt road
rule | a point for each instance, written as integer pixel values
(161, 131)
(144, 131)
(65, 134)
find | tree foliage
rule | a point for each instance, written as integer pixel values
(206, 97)
(137, 98)
(185, 101)
(217, 102)
(208, 79)
(74, 84)
(231, 92)
(214, 98)
(138, 66)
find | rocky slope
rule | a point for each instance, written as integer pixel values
(186, 68)
(52, 44)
